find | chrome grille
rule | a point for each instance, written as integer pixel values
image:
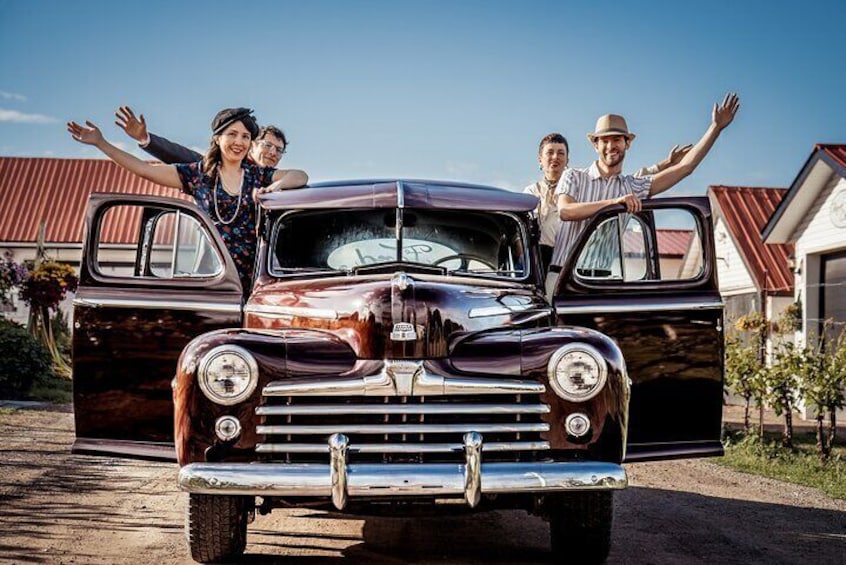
(402, 428)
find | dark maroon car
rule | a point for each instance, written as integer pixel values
(398, 351)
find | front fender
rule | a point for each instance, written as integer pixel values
(526, 353)
(278, 353)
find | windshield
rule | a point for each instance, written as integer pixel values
(452, 242)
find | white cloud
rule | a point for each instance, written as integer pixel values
(12, 96)
(21, 118)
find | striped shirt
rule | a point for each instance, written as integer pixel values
(587, 185)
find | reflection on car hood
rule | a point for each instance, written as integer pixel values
(396, 315)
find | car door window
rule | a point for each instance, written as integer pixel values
(139, 241)
(660, 245)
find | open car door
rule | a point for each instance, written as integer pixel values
(649, 281)
(154, 275)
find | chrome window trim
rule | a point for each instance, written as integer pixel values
(157, 304)
(639, 307)
(293, 311)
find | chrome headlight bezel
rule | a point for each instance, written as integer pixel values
(207, 364)
(584, 352)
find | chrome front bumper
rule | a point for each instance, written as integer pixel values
(340, 480)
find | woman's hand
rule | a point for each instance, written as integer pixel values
(90, 135)
(136, 128)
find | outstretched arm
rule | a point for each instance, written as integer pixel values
(284, 179)
(162, 149)
(721, 117)
(569, 209)
(288, 178)
(90, 134)
(675, 155)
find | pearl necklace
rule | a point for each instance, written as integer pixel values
(221, 184)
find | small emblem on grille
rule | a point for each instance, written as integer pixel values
(403, 331)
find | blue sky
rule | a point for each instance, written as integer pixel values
(460, 90)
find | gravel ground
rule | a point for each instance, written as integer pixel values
(61, 508)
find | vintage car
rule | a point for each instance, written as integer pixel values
(398, 352)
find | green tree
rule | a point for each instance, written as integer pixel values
(743, 372)
(822, 374)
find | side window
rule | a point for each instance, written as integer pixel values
(659, 245)
(137, 241)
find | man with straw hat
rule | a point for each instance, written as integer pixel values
(581, 193)
(553, 158)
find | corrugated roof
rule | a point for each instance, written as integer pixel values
(746, 211)
(56, 191)
(836, 151)
(673, 242)
(794, 207)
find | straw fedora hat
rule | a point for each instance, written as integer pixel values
(611, 124)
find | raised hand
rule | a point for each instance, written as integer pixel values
(136, 128)
(677, 153)
(90, 135)
(723, 114)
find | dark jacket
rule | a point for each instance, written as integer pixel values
(169, 152)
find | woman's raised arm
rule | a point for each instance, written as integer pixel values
(90, 134)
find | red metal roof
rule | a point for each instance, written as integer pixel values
(746, 211)
(673, 242)
(836, 152)
(56, 191)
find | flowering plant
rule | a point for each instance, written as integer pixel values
(48, 285)
(12, 274)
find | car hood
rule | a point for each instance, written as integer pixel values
(397, 315)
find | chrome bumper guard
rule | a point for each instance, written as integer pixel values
(340, 480)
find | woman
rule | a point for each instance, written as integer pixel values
(224, 184)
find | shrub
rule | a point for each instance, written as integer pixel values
(23, 360)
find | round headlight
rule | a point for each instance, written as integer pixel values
(228, 374)
(577, 372)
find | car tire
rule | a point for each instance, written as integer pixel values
(580, 526)
(217, 527)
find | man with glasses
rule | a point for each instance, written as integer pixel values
(267, 148)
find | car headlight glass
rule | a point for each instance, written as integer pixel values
(577, 372)
(228, 374)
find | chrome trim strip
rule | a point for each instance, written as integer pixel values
(293, 312)
(502, 310)
(640, 307)
(472, 468)
(400, 378)
(338, 465)
(499, 446)
(427, 479)
(401, 428)
(157, 304)
(358, 409)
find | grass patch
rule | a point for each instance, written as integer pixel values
(801, 465)
(51, 388)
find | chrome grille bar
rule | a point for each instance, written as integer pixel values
(354, 429)
(358, 409)
(402, 447)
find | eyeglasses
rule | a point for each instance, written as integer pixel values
(268, 146)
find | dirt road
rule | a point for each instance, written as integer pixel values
(61, 508)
